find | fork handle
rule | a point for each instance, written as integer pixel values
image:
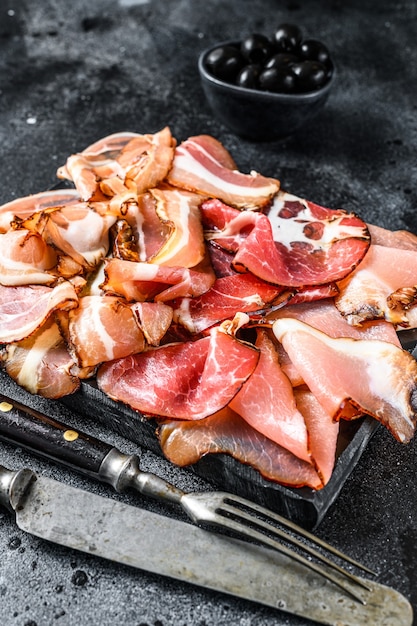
(51, 439)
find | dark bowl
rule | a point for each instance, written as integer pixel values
(259, 115)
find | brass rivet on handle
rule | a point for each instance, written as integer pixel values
(70, 435)
(5, 406)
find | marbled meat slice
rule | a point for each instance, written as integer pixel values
(185, 442)
(267, 402)
(202, 164)
(188, 380)
(375, 376)
(25, 259)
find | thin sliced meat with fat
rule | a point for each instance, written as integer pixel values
(24, 309)
(25, 259)
(148, 231)
(154, 319)
(146, 281)
(202, 164)
(229, 294)
(41, 364)
(402, 239)
(364, 294)
(186, 442)
(267, 402)
(102, 328)
(188, 380)
(375, 376)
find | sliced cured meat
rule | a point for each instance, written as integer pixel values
(145, 281)
(311, 294)
(298, 244)
(154, 319)
(237, 292)
(185, 442)
(185, 245)
(25, 259)
(403, 239)
(25, 207)
(322, 430)
(267, 402)
(202, 164)
(188, 380)
(364, 293)
(41, 364)
(24, 309)
(149, 232)
(102, 329)
(375, 376)
(149, 167)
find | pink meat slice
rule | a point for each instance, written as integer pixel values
(375, 376)
(203, 165)
(26, 259)
(267, 402)
(184, 442)
(188, 380)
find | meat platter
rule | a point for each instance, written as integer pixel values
(210, 316)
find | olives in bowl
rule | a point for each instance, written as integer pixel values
(267, 87)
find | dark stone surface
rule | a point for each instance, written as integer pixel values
(71, 72)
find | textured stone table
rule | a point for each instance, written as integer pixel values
(71, 72)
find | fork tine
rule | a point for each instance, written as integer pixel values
(240, 528)
(279, 519)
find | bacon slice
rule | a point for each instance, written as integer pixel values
(24, 309)
(145, 281)
(375, 376)
(237, 292)
(149, 232)
(267, 402)
(188, 380)
(154, 319)
(102, 329)
(41, 364)
(203, 165)
(186, 442)
(25, 259)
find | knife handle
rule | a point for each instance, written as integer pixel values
(49, 438)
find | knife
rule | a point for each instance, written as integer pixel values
(108, 528)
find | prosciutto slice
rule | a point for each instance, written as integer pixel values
(203, 165)
(41, 363)
(25, 259)
(154, 319)
(267, 402)
(145, 281)
(297, 244)
(185, 442)
(102, 329)
(188, 380)
(375, 376)
(24, 309)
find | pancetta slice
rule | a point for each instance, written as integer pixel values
(41, 363)
(375, 376)
(148, 231)
(185, 245)
(25, 259)
(186, 442)
(24, 309)
(188, 380)
(267, 402)
(102, 329)
(203, 165)
(236, 292)
(154, 319)
(146, 281)
(364, 294)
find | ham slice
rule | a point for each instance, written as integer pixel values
(267, 402)
(203, 165)
(185, 442)
(375, 376)
(25, 259)
(102, 329)
(24, 309)
(188, 380)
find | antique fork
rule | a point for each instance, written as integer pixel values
(56, 441)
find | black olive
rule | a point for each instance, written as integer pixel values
(314, 51)
(249, 76)
(287, 37)
(225, 62)
(256, 48)
(281, 59)
(309, 75)
(277, 79)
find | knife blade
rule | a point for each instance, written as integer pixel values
(113, 530)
